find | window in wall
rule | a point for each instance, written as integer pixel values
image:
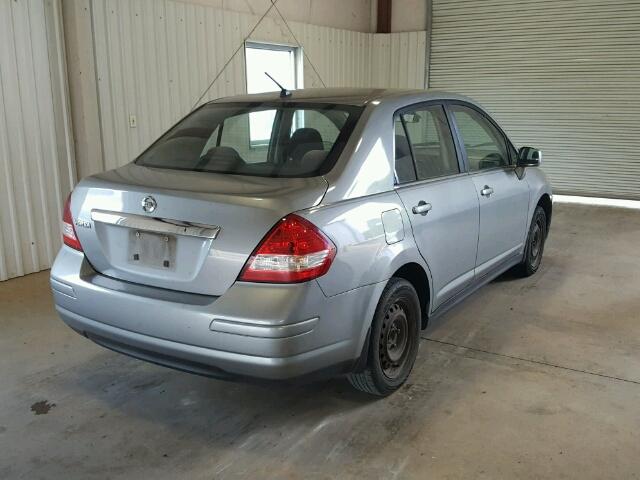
(282, 63)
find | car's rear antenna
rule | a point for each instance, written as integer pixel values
(284, 93)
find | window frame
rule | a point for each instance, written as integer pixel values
(510, 148)
(295, 50)
(298, 74)
(413, 107)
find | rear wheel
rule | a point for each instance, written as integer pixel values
(535, 243)
(393, 345)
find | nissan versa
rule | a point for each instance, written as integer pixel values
(282, 236)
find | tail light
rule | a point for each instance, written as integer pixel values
(69, 236)
(293, 251)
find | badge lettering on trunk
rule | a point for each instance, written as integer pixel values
(83, 223)
(149, 204)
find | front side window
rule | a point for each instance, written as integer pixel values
(299, 140)
(483, 142)
(428, 139)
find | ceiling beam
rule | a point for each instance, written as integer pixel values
(384, 16)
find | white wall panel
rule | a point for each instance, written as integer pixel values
(154, 58)
(560, 75)
(36, 157)
(399, 60)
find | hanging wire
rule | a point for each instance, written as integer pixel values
(273, 4)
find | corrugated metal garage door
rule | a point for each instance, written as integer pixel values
(560, 75)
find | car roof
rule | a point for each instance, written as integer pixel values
(347, 96)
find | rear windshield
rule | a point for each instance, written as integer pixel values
(260, 139)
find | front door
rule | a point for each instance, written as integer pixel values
(440, 200)
(503, 196)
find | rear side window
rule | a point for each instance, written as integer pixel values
(430, 143)
(483, 142)
(258, 139)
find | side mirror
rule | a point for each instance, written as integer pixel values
(529, 157)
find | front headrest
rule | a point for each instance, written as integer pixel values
(306, 135)
(302, 141)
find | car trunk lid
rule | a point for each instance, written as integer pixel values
(181, 230)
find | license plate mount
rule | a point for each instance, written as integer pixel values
(153, 250)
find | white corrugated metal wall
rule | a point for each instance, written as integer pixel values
(154, 58)
(36, 150)
(398, 60)
(561, 75)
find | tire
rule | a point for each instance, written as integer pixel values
(535, 244)
(396, 327)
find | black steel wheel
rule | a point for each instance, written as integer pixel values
(394, 340)
(535, 243)
(394, 337)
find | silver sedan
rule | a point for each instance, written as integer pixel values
(281, 237)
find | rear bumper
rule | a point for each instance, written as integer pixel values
(263, 331)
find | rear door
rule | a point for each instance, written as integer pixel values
(439, 197)
(503, 196)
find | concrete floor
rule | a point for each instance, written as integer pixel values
(533, 378)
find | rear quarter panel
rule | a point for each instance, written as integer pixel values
(365, 254)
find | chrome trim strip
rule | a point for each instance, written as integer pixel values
(159, 225)
(506, 168)
(444, 178)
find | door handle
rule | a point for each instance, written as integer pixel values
(422, 208)
(487, 191)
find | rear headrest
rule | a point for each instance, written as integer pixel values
(197, 132)
(312, 160)
(227, 152)
(223, 158)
